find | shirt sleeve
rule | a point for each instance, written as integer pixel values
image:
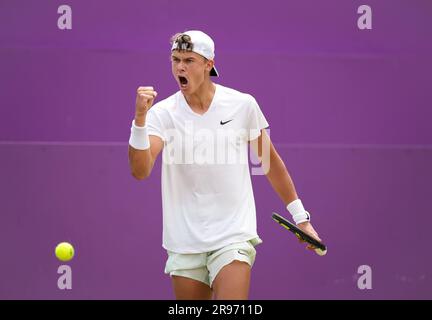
(154, 124)
(256, 121)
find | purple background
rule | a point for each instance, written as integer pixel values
(349, 110)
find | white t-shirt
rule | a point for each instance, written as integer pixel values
(207, 196)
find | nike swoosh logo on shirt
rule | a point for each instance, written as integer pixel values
(222, 122)
(242, 253)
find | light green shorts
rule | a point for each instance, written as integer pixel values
(205, 266)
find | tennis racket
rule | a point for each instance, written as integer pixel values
(320, 248)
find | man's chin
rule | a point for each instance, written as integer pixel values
(184, 88)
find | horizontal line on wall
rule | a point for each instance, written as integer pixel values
(281, 145)
(301, 53)
(66, 143)
(351, 146)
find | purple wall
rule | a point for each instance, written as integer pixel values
(349, 110)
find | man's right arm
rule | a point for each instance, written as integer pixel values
(141, 161)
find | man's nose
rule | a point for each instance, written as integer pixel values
(180, 66)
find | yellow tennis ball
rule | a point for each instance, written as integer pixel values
(64, 251)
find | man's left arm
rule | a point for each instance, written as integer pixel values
(279, 177)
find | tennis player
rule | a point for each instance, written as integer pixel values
(204, 131)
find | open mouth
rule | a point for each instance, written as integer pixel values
(183, 81)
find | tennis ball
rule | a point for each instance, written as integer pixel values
(64, 251)
(320, 252)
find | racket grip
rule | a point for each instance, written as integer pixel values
(320, 252)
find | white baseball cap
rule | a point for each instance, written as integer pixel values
(202, 44)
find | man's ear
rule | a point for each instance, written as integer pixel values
(210, 64)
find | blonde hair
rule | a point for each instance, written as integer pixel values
(183, 42)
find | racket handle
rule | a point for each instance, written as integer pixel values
(320, 252)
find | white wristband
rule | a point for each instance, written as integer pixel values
(298, 212)
(139, 138)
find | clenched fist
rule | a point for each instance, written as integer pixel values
(144, 101)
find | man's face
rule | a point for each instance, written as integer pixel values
(189, 70)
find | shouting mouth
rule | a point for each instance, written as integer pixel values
(183, 81)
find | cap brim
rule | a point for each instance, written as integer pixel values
(214, 73)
